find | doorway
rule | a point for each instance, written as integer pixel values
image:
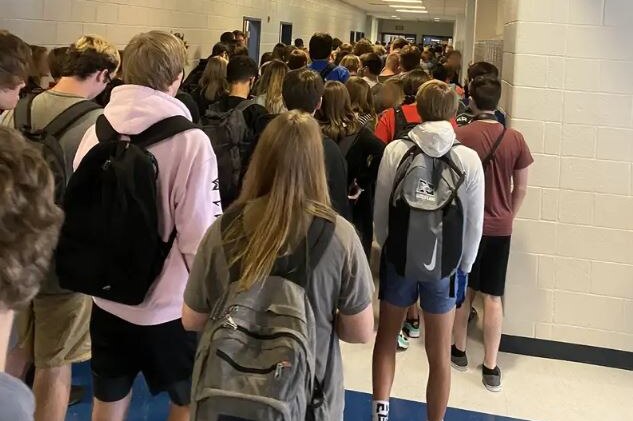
(285, 33)
(253, 30)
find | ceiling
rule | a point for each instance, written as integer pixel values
(442, 9)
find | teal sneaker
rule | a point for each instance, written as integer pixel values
(411, 328)
(403, 342)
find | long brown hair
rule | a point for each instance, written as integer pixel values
(360, 95)
(271, 84)
(336, 115)
(286, 182)
(213, 81)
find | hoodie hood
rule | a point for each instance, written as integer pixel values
(133, 108)
(435, 138)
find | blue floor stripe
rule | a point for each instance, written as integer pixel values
(357, 405)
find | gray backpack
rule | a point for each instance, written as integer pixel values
(256, 358)
(426, 219)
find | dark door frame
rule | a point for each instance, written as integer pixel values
(281, 26)
(244, 25)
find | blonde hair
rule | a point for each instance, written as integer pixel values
(436, 101)
(360, 95)
(271, 84)
(154, 59)
(286, 179)
(351, 62)
(213, 81)
(90, 54)
(393, 62)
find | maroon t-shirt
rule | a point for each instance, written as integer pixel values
(513, 154)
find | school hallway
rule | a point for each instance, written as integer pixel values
(534, 389)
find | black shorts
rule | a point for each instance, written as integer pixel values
(120, 350)
(491, 266)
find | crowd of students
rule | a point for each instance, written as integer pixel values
(243, 202)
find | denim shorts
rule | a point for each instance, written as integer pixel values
(402, 292)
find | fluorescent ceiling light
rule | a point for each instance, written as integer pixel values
(412, 11)
(408, 7)
(402, 1)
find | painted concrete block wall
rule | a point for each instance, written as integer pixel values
(60, 22)
(567, 87)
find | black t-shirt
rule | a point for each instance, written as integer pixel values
(256, 116)
(336, 171)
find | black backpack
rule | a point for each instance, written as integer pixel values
(47, 139)
(232, 142)
(403, 127)
(109, 245)
(326, 72)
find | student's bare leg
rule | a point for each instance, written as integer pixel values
(493, 323)
(111, 411)
(51, 388)
(437, 334)
(384, 358)
(460, 328)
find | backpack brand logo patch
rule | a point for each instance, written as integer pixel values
(425, 191)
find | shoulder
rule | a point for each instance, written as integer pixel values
(344, 234)
(468, 157)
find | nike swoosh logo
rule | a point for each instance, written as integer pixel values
(431, 265)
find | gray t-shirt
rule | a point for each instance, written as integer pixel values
(342, 281)
(46, 106)
(16, 400)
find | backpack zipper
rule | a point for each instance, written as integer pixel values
(276, 368)
(229, 323)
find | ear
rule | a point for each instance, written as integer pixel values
(102, 76)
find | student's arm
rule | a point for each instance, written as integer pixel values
(519, 189)
(192, 320)
(355, 318)
(357, 328)
(196, 193)
(474, 209)
(384, 186)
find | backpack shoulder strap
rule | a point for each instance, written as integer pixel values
(22, 113)
(104, 130)
(319, 235)
(491, 155)
(348, 142)
(162, 130)
(70, 115)
(328, 69)
(245, 104)
(401, 120)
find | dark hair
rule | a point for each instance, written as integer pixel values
(83, 59)
(297, 59)
(299, 43)
(399, 43)
(363, 47)
(372, 62)
(241, 69)
(340, 56)
(320, 46)
(227, 38)
(336, 43)
(219, 49)
(482, 68)
(486, 92)
(56, 60)
(238, 33)
(302, 90)
(15, 60)
(38, 53)
(336, 116)
(411, 83)
(410, 57)
(280, 52)
(266, 57)
(240, 50)
(440, 72)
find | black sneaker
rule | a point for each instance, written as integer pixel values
(491, 378)
(459, 360)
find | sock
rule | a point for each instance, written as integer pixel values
(380, 411)
(490, 372)
(456, 352)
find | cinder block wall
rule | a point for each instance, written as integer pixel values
(60, 22)
(568, 87)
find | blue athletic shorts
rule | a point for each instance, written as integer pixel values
(402, 292)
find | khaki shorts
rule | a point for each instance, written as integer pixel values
(55, 329)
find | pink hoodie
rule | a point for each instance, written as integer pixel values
(189, 198)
